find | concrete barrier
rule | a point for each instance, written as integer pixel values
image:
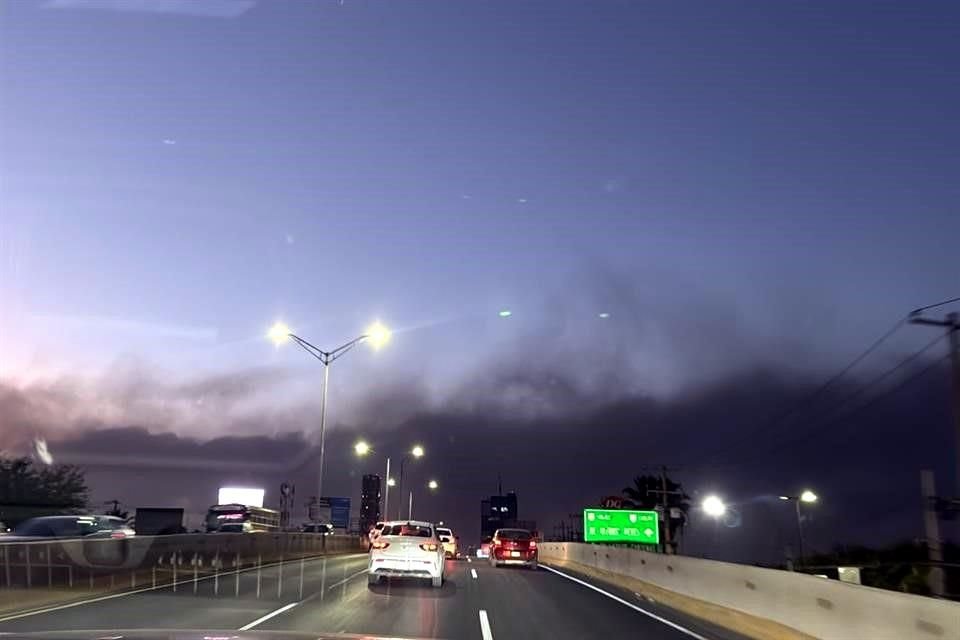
(47, 571)
(811, 606)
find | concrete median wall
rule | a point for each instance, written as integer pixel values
(810, 605)
(61, 570)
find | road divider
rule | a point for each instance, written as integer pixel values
(758, 602)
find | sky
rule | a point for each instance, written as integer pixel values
(736, 186)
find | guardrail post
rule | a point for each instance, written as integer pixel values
(216, 573)
(323, 578)
(259, 562)
(300, 597)
(49, 567)
(70, 575)
(173, 561)
(280, 580)
(90, 578)
(6, 564)
(154, 582)
(133, 578)
(29, 569)
(196, 568)
(236, 573)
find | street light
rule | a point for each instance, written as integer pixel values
(377, 335)
(391, 482)
(361, 448)
(417, 452)
(433, 485)
(713, 506)
(808, 497)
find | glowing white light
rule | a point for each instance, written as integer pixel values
(240, 495)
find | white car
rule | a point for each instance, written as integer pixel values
(449, 542)
(406, 549)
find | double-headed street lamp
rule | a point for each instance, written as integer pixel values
(376, 336)
(362, 448)
(809, 497)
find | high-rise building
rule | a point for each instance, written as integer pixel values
(369, 502)
(498, 512)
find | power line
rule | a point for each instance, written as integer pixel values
(810, 398)
(873, 401)
(934, 306)
(880, 378)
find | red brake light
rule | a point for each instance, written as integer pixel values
(118, 534)
(429, 546)
(533, 544)
(380, 544)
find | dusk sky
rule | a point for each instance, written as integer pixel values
(739, 185)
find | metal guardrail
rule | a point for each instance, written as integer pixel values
(141, 561)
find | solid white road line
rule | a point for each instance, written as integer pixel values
(473, 572)
(674, 625)
(277, 612)
(70, 605)
(347, 579)
(485, 625)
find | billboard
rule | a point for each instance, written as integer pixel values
(240, 495)
(335, 511)
(620, 525)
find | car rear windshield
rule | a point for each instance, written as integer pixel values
(444, 532)
(515, 534)
(408, 530)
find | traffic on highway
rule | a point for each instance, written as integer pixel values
(479, 319)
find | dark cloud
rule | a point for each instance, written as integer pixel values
(865, 467)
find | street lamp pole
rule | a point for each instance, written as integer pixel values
(386, 491)
(280, 333)
(809, 497)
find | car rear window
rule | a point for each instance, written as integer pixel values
(444, 532)
(408, 530)
(515, 534)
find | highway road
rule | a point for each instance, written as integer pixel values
(331, 595)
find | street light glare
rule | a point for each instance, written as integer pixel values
(391, 482)
(713, 506)
(279, 333)
(433, 484)
(417, 451)
(506, 313)
(377, 335)
(784, 497)
(808, 496)
(361, 448)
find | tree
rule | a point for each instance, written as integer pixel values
(28, 490)
(647, 493)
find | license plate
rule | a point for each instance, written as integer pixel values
(514, 554)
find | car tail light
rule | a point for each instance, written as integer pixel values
(533, 544)
(118, 534)
(429, 546)
(380, 544)
(497, 543)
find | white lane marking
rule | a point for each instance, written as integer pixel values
(674, 625)
(473, 573)
(70, 605)
(347, 579)
(276, 612)
(485, 625)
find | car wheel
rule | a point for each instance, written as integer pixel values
(437, 581)
(372, 579)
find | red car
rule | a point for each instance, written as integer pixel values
(513, 546)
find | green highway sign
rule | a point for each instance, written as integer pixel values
(620, 525)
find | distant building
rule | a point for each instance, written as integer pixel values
(369, 502)
(499, 512)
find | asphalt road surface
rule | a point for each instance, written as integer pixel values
(331, 595)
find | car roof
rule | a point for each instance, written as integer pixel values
(412, 523)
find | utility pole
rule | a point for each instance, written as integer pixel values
(932, 532)
(952, 324)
